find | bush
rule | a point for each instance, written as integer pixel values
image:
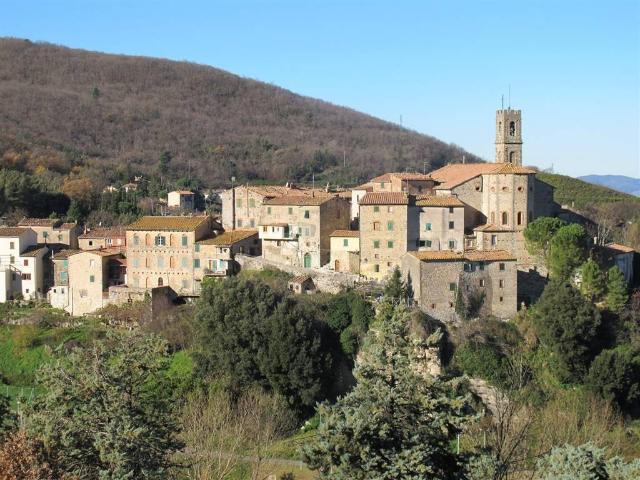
(615, 375)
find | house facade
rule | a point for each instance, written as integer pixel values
(98, 238)
(21, 264)
(345, 251)
(53, 231)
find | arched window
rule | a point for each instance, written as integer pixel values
(147, 239)
(512, 157)
(519, 218)
(172, 262)
(505, 218)
(172, 240)
(160, 281)
(512, 128)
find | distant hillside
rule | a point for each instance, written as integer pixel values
(580, 194)
(117, 114)
(617, 182)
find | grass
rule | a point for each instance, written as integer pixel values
(580, 194)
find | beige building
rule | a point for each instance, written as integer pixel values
(437, 276)
(295, 229)
(181, 200)
(345, 251)
(441, 222)
(242, 205)
(89, 276)
(161, 251)
(408, 182)
(216, 256)
(21, 264)
(53, 231)
(98, 238)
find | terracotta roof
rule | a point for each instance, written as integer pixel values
(64, 254)
(470, 255)
(229, 238)
(270, 190)
(35, 250)
(274, 224)
(68, 226)
(619, 248)
(13, 231)
(385, 198)
(183, 192)
(365, 186)
(118, 231)
(299, 200)
(489, 227)
(39, 222)
(105, 252)
(175, 223)
(402, 176)
(345, 233)
(300, 278)
(437, 201)
(458, 173)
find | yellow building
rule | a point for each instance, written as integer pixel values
(345, 251)
(216, 256)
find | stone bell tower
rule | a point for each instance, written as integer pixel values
(508, 136)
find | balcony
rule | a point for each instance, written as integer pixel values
(223, 272)
(276, 231)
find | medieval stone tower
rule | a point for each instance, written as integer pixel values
(508, 137)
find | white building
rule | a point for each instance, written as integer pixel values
(21, 264)
(181, 199)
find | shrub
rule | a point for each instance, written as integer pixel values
(615, 375)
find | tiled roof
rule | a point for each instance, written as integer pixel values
(619, 248)
(365, 186)
(183, 192)
(175, 223)
(299, 200)
(458, 173)
(274, 224)
(229, 238)
(118, 231)
(270, 190)
(105, 252)
(470, 255)
(300, 279)
(35, 250)
(68, 226)
(345, 233)
(437, 201)
(385, 198)
(402, 176)
(489, 227)
(39, 222)
(13, 231)
(64, 254)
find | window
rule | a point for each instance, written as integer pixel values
(389, 209)
(428, 243)
(427, 227)
(185, 241)
(501, 267)
(269, 210)
(160, 262)
(12, 259)
(12, 245)
(160, 240)
(451, 225)
(381, 184)
(197, 247)
(184, 262)
(376, 268)
(185, 283)
(345, 242)
(505, 218)
(468, 267)
(450, 209)
(501, 283)
(136, 240)
(252, 223)
(338, 213)
(136, 263)
(452, 244)
(390, 225)
(239, 203)
(494, 240)
(452, 287)
(512, 128)
(376, 244)
(376, 209)
(196, 263)
(252, 203)
(60, 237)
(92, 263)
(239, 222)
(63, 276)
(501, 299)
(481, 282)
(92, 279)
(519, 220)
(25, 262)
(390, 244)
(481, 266)
(512, 157)
(290, 210)
(376, 225)
(306, 232)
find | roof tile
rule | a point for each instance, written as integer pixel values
(229, 238)
(169, 223)
(345, 233)
(385, 198)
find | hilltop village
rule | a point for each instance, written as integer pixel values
(454, 231)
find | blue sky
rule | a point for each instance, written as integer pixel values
(573, 66)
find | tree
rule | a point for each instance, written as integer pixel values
(539, 233)
(567, 250)
(395, 423)
(7, 418)
(349, 315)
(23, 458)
(568, 325)
(615, 375)
(106, 410)
(617, 294)
(394, 289)
(592, 282)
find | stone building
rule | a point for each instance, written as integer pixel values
(242, 205)
(183, 200)
(407, 182)
(98, 238)
(301, 284)
(53, 231)
(21, 264)
(387, 231)
(295, 229)
(161, 251)
(441, 222)
(437, 276)
(345, 251)
(216, 256)
(508, 137)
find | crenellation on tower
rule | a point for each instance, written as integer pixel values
(509, 136)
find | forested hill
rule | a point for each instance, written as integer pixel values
(103, 110)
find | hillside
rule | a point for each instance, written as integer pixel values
(580, 194)
(620, 183)
(117, 114)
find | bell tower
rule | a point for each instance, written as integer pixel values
(508, 136)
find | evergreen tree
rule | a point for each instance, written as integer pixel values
(617, 294)
(615, 375)
(567, 250)
(539, 233)
(395, 424)
(106, 410)
(394, 289)
(7, 417)
(568, 325)
(592, 284)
